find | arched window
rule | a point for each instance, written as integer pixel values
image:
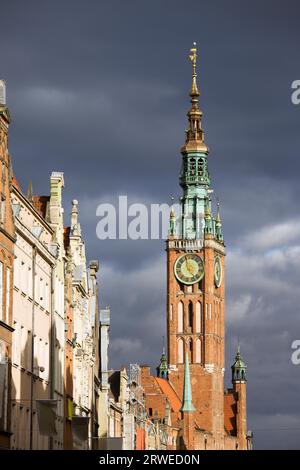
(191, 355)
(191, 315)
(180, 317)
(198, 350)
(198, 317)
(180, 350)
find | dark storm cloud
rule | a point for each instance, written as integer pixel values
(99, 90)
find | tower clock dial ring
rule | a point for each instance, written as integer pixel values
(189, 269)
(218, 271)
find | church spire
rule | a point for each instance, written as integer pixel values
(194, 134)
(162, 369)
(187, 404)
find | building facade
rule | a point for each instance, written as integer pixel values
(32, 321)
(85, 352)
(7, 240)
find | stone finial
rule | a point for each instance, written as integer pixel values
(75, 226)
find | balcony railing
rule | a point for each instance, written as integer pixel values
(186, 244)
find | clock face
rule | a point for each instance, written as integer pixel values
(218, 271)
(189, 269)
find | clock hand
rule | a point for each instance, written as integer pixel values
(188, 267)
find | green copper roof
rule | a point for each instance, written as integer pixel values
(187, 390)
(239, 367)
(162, 369)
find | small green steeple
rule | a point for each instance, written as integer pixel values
(208, 218)
(162, 369)
(187, 404)
(172, 220)
(239, 368)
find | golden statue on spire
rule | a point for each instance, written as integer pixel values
(193, 57)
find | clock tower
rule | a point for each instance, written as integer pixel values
(196, 281)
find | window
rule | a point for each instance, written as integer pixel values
(29, 282)
(171, 312)
(17, 335)
(201, 165)
(3, 173)
(47, 297)
(23, 277)
(190, 351)
(198, 317)
(7, 294)
(1, 291)
(180, 318)
(180, 350)
(198, 350)
(2, 209)
(191, 315)
(23, 347)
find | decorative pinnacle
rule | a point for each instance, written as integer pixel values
(193, 57)
(29, 194)
(218, 210)
(172, 213)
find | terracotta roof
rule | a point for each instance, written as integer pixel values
(40, 204)
(230, 413)
(169, 391)
(15, 183)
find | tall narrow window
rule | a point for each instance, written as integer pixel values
(198, 350)
(23, 334)
(180, 350)
(29, 282)
(198, 317)
(191, 356)
(7, 294)
(191, 315)
(180, 317)
(2, 209)
(1, 291)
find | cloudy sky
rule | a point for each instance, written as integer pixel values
(98, 89)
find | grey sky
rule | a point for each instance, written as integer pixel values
(99, 90)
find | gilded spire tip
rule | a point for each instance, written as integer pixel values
(194, 134)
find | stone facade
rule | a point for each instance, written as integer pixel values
(85, 352)
(32, 321)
